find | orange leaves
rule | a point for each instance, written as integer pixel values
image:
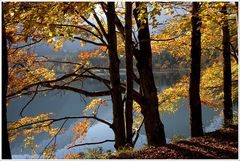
(28, 127)
(86, 55)
(102, 48)
(81, 127)
(89, 55)
(98, 53)
(24, 69)
(49, 153)
(72, 155)
(94, 104)
(17, 128)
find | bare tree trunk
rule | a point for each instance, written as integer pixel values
(6, 153)
(227, 89)
(195, 102)
(153, 125)
(118, 113)
(129, 73)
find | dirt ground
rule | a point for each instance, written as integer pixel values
(220, 144)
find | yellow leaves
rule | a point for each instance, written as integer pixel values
(94, 104)
(169, 98)
(211, 88)
(28, 141)
(49, 153)
(53, 132)
(136, 107)
(11, 13)
(51, 41)
(81, 127)
(24, 69)
(50, 34)
(17, 128)
(138, 117)
(212, 84)
(29, 128)
(72, 155)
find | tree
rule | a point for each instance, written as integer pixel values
(6, 153)
(194, 89)
(129, 73)
(153, 125)
(228, 112)
(118, 114)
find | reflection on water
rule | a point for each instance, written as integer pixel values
(71, 104)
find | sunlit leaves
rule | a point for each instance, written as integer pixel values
(212, 84)
(72, 155)
(168, 99)
(80, 129)
(49, 153)
(20, 127)
(25, 69)
(30, 17)
(29, 127)
(211, 89)
(94, 104)
(180, 28)
(138, 117)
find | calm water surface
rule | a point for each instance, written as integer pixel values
(63, 103)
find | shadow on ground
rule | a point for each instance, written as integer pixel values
(220, 144)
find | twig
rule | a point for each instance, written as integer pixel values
(82, 28)
(89, 41)
(94, 143)
(64, 118)
(36, 91)
(20, 47)
(54, 137)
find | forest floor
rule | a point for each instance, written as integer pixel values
(220, 144)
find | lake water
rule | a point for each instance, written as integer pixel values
(71, 104)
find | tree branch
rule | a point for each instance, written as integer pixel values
(54, 137)
(20, 47)
(93, 25)
(94, 143)
(65, 118)
(89, 41)
(78, 90)
(82, 28)
(36, 91)
(100, 25)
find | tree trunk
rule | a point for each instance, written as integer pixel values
(129, 73)
(118, 113)
(6, 153)
(153, 125)
(227, 89)
(195, 102)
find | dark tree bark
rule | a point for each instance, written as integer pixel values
(195, 102)
(227, 77)
(153, 125)
(118, 112)
(6, 153)
(129, 73)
